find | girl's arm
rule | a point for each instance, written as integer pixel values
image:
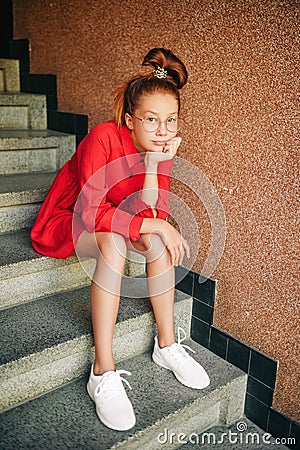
(149, 193)
(152, 159)
(175, 243)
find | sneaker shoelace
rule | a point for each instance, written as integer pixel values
(111, 385)
(178, 349)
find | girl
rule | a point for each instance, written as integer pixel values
(113, 196)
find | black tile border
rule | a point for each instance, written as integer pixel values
(260, 391)
(238, 354)
(184, 280)
(218, 342)
(202, 310)
(263, 368)
(260, 368)
(204, 289)
(278, 424)
(46, 84)
(6, 27)
(200, 332)
(256, 411)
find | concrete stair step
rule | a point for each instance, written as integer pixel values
(66, 418)
(49, 342)
(20, 198)
(2, 80)
(23, 111)
(26, 151)
(10, 75)
(26, 275)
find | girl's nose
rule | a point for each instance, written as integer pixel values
(162, 129)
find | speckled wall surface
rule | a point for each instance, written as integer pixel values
(240, 119)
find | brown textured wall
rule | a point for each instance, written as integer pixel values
(240, 117)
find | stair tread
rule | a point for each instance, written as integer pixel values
(25, 188)
(35, 326)
(17, 256)
(30, 134)
(66, 418)
(25, 182)
(20, 95)
(16, 247)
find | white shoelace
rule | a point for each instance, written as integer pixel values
(179, 340)
(109, 384)
(178, 350)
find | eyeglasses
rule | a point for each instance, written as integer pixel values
(152, 123)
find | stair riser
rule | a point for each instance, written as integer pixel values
(18, 217)
(23, 111)
(10, 74)
(45, 276)
(14, 117)
(2, 80)
(22, 198)
(233, 400)
(189, 422)
(40, 373)
(28, 161)
(33, 285)
(23, 156)
(36, 374)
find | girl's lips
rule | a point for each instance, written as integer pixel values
(160, 143)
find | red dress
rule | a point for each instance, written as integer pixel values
(98, 189)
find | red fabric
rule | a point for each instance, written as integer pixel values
(98, 189)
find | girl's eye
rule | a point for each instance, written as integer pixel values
(151, 119)
(171, 119)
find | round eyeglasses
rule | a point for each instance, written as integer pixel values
(152, 123)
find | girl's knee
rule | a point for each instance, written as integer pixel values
(110, 261)
(112, 245)
(153, 246)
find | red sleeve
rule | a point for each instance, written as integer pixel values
(97, 214)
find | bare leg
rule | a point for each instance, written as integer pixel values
(161, 281)
(109, 249)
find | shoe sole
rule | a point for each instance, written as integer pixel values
(159, 363)
(103, 420)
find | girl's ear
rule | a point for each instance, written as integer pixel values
(129, 121)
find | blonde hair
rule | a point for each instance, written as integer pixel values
(128, 94)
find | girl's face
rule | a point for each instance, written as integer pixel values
(160, 109)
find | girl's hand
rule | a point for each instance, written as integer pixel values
(174, 242)
(168, 152)
(171, 147)
(176, 245)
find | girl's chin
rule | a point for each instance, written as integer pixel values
(156, 148)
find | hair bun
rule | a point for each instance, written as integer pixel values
(165, 59)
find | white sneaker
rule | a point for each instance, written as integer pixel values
(174, 357)
(113, 407)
